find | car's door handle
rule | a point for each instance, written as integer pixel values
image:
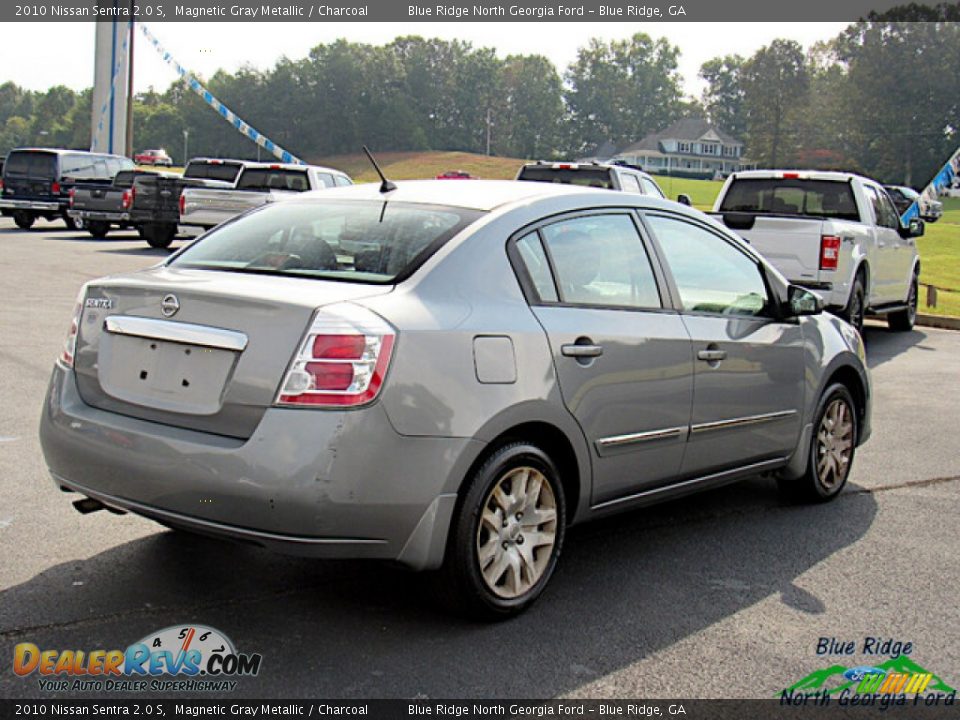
(581, 351)
(712, 355)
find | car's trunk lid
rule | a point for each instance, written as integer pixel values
(215, 363)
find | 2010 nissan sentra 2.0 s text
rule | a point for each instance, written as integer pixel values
(449, 375)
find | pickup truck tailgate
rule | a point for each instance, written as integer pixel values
(792, 245)
(212, 207)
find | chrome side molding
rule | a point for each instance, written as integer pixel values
(177, 332)
(740, 421)
(642, 437)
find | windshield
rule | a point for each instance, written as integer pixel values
(31, 164)
(774, 196)
(225, 172)
(593, 177)
(358, 241)
(273, 179)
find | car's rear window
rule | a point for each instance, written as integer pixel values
(351, 240)
(31, 164)
(274, 179)
(225, 172)
(774, 196)
(588, 177)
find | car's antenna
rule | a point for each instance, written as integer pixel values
(385, 185)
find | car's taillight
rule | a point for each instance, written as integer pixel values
(342, 361)
(55, 187)
(1, 185)
(126, 200)
(182, 203)
(71, 195)
(70, 344)
(829, 252)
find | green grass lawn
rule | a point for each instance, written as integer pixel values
(702, 192)
(951, 210)
(940, 262)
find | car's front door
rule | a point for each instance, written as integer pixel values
(888, 279)
(748, 365)
(622, 357)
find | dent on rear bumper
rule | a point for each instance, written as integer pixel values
(321, 483)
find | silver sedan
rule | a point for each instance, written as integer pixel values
(449, 375)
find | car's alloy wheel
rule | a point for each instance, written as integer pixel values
(904, 320)
(517, 532)
(831, 450)
(834, 444)
(506, 534)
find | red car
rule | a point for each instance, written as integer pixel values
(153, 157)
(455, 175)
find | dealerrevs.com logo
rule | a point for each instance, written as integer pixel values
(178, 658)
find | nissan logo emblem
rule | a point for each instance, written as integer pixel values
(169, 305)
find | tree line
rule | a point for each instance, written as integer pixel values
(881, 98)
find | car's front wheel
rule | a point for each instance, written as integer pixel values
(832, 448)
(506, 535)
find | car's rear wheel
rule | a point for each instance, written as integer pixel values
(160, 235)
(23, 220)
(904, 320)
(832, 448)
(856, 304)
(506, 535)
(98, 229)
(71, 223)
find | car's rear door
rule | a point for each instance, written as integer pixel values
(748, 365)
(622, 354)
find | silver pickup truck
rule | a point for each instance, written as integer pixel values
(835, 233)
(258, 184)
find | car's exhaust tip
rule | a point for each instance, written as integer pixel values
(89, 505)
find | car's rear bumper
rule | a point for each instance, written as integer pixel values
(41, 205)
(321, 483)
(87, 215)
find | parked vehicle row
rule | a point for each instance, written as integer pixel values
(449, 375)
(838, 234)
(37, 181)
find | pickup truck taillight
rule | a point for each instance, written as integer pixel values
(342, 361)
(55, 187)
(829, 252)
(181, 203)
(71, 195)
(126, 200)
(70, 344)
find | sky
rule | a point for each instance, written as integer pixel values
(26, 57)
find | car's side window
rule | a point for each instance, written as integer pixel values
(882, 211)
(630, 183)
(600, 260)
(538, 268)
(711, 275)
(650, 188)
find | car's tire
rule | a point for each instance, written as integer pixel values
(856, 307)
(832, 448)
(159, 235)
(98, 229)
(503, 546)
(23, 220)
(904, 320)
(71, 223)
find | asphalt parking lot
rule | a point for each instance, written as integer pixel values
(722, 595)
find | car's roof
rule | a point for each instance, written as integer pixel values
(63, 151)
(478, 195)
(833, 175)
(289, 166)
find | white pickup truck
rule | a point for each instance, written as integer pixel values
(837, 234)
(257, 184)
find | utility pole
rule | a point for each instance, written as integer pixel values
(128, 151)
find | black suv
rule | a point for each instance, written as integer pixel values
(37, 181)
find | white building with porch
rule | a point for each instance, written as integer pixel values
(691, 147)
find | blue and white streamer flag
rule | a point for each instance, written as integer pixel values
(121, 61)
(941, 182)
(224, 112)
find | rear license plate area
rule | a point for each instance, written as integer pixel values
(164, 375)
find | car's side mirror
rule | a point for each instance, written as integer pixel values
(913, 229)
(684, 199)
(802, 302)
